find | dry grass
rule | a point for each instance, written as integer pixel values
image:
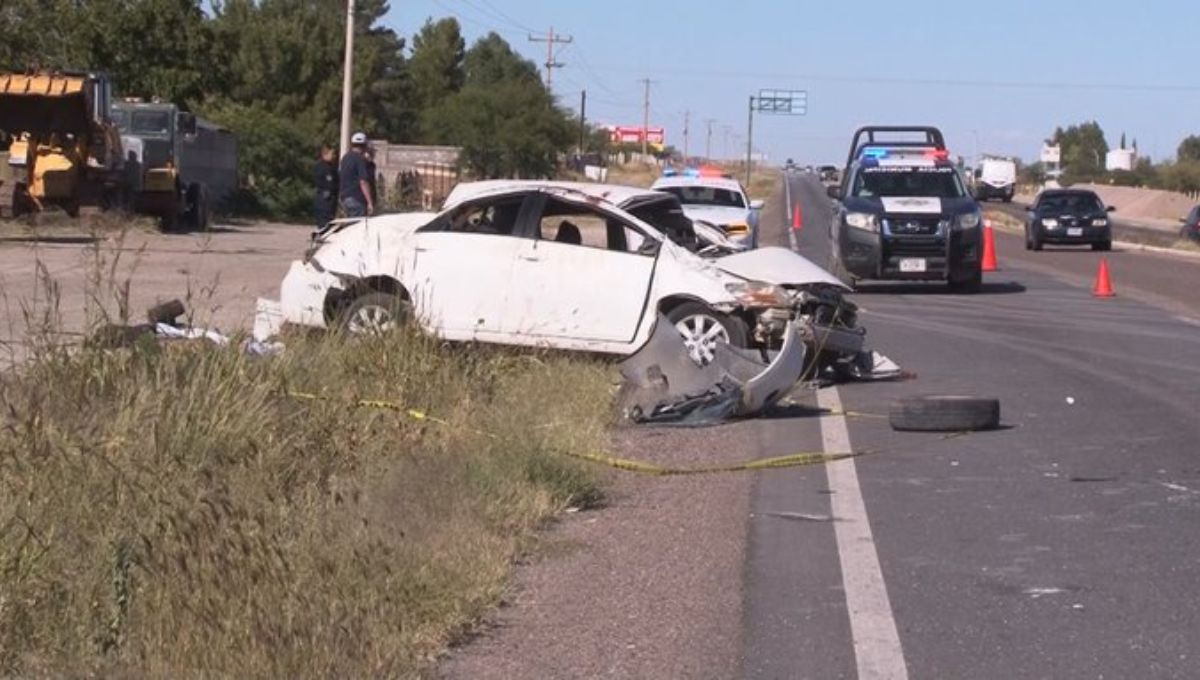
(169, 511)
(633, 174)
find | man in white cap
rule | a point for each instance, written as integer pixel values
(355, 180)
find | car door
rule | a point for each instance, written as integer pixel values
(583, 274)
(462, 266)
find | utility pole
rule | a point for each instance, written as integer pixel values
(749, 140)
(552, 42)
(347, 78)
(582, 120)
(645, 119)
(708, 139)
(687, 123)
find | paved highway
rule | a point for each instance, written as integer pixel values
(1062, 546)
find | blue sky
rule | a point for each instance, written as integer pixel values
(995, 76)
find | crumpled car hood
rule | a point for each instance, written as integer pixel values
(777, 265)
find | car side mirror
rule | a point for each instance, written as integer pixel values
(834, 192)
(757, 204)
(186, 123)
(1110, 208)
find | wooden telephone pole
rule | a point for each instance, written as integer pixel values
(552, 41)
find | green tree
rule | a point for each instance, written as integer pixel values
(437, 62)
(1122, 140)
(505, 120)
(1083, 151)
(1189, 149)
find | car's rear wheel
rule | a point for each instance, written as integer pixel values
(1035, 242)
(702, 328)
(375, 313)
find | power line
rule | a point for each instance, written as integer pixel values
(498, 13)
(552, 41)
(887, 80)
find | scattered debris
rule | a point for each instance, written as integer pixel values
(800, 516)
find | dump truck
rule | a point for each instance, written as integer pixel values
(63, 147)
(178, 166)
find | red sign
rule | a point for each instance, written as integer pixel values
(633, 134)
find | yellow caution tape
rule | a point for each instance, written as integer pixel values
(627, 464)
(793, 460)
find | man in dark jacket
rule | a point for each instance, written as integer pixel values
(354, 180)
(325, 175)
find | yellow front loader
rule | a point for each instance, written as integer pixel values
(64, 149)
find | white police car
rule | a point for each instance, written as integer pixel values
(718, 200)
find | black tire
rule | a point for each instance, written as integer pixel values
(944, 414)
(1102, 246)
(197, 207)
(1028, 242)
(971, 284)
(1035, 242)
(735, 329)
(374, 313)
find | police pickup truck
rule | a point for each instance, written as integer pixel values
(903, 212)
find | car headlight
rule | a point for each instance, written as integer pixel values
(968, 220)
(1050, 222)
(1100, 222)
(758, 294)
(862, 221)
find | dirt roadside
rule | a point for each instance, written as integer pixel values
(648, 587)
(218, 274)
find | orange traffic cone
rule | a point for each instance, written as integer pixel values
(797, 220)
(989, 247)
(1103, 286)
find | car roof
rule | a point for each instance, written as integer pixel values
(685, 181)
(1068, 192)
(615, 194)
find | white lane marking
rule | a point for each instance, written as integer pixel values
(787, 224)
(877, 648)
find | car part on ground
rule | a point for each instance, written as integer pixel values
(663, 385)
(944, 414)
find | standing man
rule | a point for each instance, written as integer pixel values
(354, 180)
(325, 175)
(372, 169)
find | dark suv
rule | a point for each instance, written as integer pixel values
(1068, 216)
(904, 211)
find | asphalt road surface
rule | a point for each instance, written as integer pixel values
(1164, 280)
(1062, 546)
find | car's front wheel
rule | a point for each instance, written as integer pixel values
(375, 313)
(702, 328)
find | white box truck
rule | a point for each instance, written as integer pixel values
(996, 178)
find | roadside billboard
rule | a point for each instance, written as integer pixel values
(656, 137)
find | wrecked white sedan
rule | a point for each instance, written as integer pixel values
(569, 266)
